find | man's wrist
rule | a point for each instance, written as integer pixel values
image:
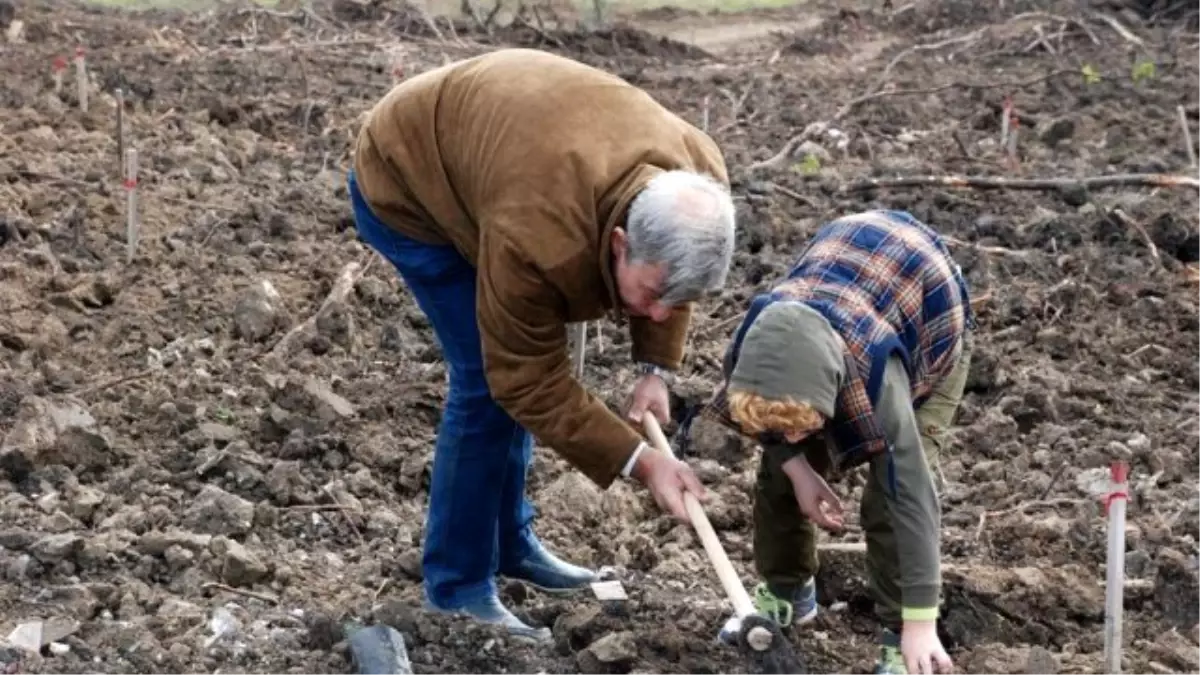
(632, 462)
(643, 369)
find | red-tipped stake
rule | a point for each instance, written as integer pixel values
(1114, 505)
(397, 67)
(1005, 119)
(131, 219)
(1011, 150)
(59, 67)
(81, 78)
(120, 95)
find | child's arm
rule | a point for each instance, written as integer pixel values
(915, 511)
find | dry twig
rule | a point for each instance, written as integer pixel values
(346, 281)
(345, 511)
(781, 158)
(1121, 218)
(1187, 136)
(101, 386)
(242, 592)
(995, 183)
(1124, 32)
(1020, 508)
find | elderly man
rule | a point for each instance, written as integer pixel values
(516, 192)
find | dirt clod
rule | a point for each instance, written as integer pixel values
(613, 653)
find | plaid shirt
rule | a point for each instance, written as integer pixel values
(887, 284)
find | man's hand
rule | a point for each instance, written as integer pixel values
(922, 650)
(667, 478)
(817, 502)
(650, 393)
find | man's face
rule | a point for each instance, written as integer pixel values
(638, 284)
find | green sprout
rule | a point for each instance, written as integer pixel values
(1143, 70)
(1090, 74)
(811, 166)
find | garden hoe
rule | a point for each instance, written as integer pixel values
(758, 636)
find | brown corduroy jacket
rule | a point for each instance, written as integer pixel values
(525, 162)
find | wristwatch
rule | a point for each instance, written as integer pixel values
(667, 376)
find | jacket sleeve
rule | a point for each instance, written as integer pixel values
(661, 343)
(524, 343)
(915, 511)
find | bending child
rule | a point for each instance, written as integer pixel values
(859, 357)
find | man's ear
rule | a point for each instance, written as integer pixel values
(618, 241)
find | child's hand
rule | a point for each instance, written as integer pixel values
(922, 650)
(817, 502)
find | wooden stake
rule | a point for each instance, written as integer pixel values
(59, 67)
(1011, 150)
(1115, 572)
(1005, 119)
(1187, 136)
(81, 78)
(120, 127)
(131, 219)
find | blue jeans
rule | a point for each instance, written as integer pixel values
(478, 523)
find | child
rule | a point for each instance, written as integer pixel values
(858, 357)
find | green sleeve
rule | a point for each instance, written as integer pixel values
(915, 511)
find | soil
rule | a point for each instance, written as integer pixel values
(155, 445)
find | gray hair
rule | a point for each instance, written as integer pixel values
(685, 220)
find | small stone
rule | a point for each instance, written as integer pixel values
(811, 149)
(613, 652)
(53, 431)
(239, 567)
(1056, 130)
(56, 547)
(1176, 652)
(178, 557)
(329, 405)
(574, 496)
(259, 313)
(576, 629)
(1041, 661)
(409, 563)
(83, 502)
(220, 433)
(157, 542)
(215, 511)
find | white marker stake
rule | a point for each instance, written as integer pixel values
(120, 129)
(81, 78)
(1115, 581)
(1005, 116)
(59, 67)
(397, 67)
(131, 219)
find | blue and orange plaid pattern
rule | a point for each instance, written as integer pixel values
(886, 283)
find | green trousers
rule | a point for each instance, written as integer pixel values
(785, 542)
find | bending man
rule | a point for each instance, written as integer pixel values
(516, 192)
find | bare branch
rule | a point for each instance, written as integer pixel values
(995, 183)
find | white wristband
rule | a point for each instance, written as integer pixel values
(633, 459)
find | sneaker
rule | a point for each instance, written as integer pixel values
(491, 611)
(545, 572)
(799, 609)
(782, 611)
(891, 661)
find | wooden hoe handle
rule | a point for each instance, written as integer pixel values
(716, 553)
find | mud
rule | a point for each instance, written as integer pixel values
(155, 445)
